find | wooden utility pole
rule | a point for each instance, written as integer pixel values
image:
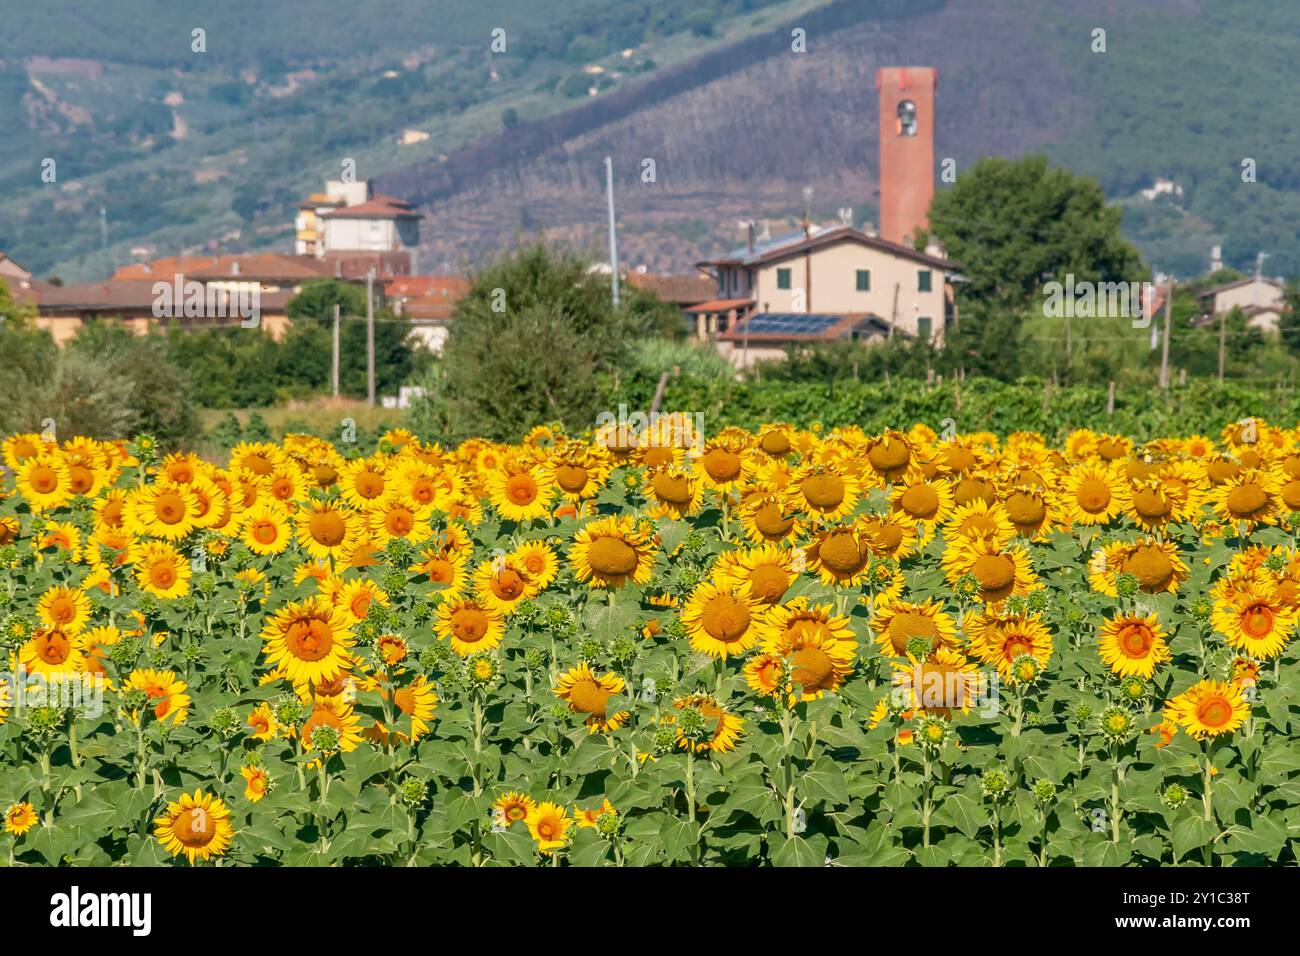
(1069, 348)
(370, 337)
(613, 233)
(1164, 348)
(334, 366)
(893, 316)
(1110, 399)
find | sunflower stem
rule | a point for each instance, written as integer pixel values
(1207, 798)
(1115, 810)
(478, 742)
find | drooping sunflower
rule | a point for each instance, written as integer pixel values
(767, 519)
(165, 693)
(470, 626)
(786, 624)
(197, 826)
(723, 618)
(549, 825)
(1208, 709)
(612, 552)
(309, 640)
(840, 555)
(720, 728)
(587, 693)
(1133, 644)
(53, 653)
(1248, 499)
(998, 572)
(939, 683)
(898, 622)
(824, 492)
(64, 608)
(1255, 620)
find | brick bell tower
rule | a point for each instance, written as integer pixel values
(906, 149)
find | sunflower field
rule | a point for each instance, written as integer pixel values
(648, 646)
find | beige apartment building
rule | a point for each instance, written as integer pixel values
(1262, 300)
(838, 271)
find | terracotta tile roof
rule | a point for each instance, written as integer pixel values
(122, 295)
(268, 266)
(442, 287)
(721, 305)
(167, 266)
(681, 289)
(373, 209)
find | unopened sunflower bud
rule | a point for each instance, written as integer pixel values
(1174, 796)
(590, 648)
(1044, 791)
(931, 732)
(1116, 724)
(994, 784)
(966, 587)
(622, 649)
(1126, 585)
(44, 720)
(225, 722)
(608, 823)
(665, 737)
(288, 711)
(413, 792)
(1133, 688)
(325, 739)
(919, 646)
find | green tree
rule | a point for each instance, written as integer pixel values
(532, 340)
(1013, 225)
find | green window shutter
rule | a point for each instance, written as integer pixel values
(783, 278)
(923, 280)
(923, 328)
(864, 280)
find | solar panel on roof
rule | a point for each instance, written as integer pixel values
(791, 323)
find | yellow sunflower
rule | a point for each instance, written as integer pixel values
(612, 552)
(721, 729)
(52, 653)
(166, 695)
(898, 622)
(520, 494)
(1133, 644)
(512, 807)
(44, 481)
(1250, 498)
(722, 618)
(587, 693)
(1255, 621)
(840, 555)
(327, 529)
(163, 509)
(1208, 709)
(549, 825)
(161, 570)
(999, 639)
(309, 640)
(19, 818)
(265, 529)
(1090, 494)
(65, 609)
(198, 826)
(998, 572)
(470, 626)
